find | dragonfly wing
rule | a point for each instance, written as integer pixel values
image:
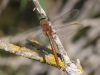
(68, 29)
(30, 34)
(65, 17)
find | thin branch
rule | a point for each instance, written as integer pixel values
(39, 56)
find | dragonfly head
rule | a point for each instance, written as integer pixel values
(42, 16)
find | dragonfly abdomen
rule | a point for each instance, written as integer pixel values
(47, 31)
(54, 51)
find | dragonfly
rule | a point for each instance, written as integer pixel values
(60, 24)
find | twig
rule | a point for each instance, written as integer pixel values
(39, 56)
(70, 67)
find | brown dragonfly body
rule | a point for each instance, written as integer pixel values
(48, 32)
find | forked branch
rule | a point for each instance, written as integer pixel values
(69, 66)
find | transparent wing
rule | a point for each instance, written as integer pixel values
(65, 17)
(30, 34)
(67, 29)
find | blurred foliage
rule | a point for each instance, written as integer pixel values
(18, 16)
(6, 54)
(23, 5)
(92, 42)
(92, 72)
(8, 70)
(81, 33)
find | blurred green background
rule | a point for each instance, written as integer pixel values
(17, 16)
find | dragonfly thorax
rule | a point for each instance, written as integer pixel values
(45, 26)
